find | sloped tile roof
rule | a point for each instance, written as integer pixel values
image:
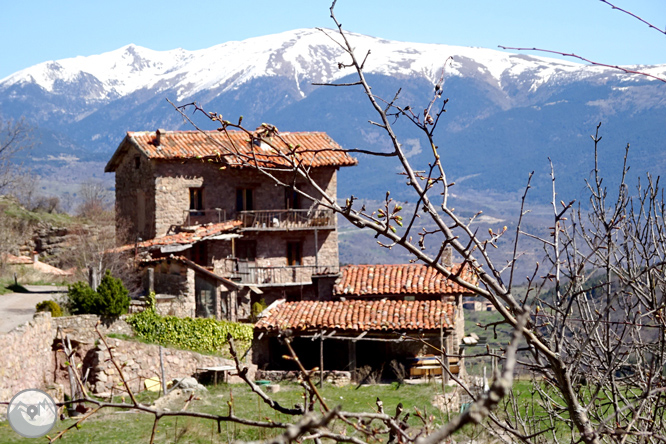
(234, 148)
(393, 279)
(360, 315)
(183, 238)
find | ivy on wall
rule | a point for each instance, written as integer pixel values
(202, 335)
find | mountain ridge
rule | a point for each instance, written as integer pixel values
(506, 111)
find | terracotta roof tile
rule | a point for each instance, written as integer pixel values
(309, 148)
(182, 238)
(392, 279)
(360, 315)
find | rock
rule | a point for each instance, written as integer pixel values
(188, 383)
(273, 388)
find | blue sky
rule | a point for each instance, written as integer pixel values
(40, 30)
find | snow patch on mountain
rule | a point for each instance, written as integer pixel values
(304, 55)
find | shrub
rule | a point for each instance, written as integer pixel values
(257, 308)
(110, 299)
(113, 296)
(83, 299)
(51, 306)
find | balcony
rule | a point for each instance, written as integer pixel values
(287, 220)
(201, 217)
(280, 276)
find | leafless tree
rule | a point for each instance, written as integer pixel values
(592, 317)
(15, 137)
(94, 200)
(596, 342)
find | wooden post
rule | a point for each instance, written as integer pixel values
(321, 360)
(162, 370)
(352, 359)
(150, 280)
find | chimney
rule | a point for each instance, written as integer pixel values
(447, 257)
(158, 137)
(35, 257)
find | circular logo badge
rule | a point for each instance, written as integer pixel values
(32, 413)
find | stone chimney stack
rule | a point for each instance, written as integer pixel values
(447, 257)
(158, 137)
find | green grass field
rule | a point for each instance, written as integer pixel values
(124, 427)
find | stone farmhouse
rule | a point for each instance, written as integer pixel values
(216, 232)
(214, 235)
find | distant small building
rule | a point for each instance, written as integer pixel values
(474, 305)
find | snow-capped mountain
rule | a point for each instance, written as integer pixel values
(506, 110)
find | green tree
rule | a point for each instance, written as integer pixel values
(110, 299)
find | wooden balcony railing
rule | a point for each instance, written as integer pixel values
(206, 216)
(287, 219)
(275, 276)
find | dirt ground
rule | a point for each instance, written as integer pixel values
(18, 308)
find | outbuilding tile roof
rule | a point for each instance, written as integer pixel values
(360, 315)
(393, 279)
(235, 148)
(183, 238)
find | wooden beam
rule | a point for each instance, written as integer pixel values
(321, 360)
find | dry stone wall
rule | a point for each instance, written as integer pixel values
(142, 361)
(26, 358)
(82, 327)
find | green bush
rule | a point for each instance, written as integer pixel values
(110, 299)
(113, 296)
(198, 334)
(83, 299)
(51, 306)
(257, 308)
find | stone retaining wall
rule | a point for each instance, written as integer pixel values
(82, 327)
(26, 356)
(141, 361)
(29, 356)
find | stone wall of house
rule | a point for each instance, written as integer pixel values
(27, 356)
(142, 361)
(172, 278)
(174, 179)
(135, 198)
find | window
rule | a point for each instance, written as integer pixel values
(199, 254)
(137, 162)
(196, 201)
(246, 249)
(291, 199)
(294, 253)
(244, 201)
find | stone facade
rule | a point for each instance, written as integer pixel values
(153, 199)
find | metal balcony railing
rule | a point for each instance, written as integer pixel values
(288, 275)
(287, 219)
(206, 216)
